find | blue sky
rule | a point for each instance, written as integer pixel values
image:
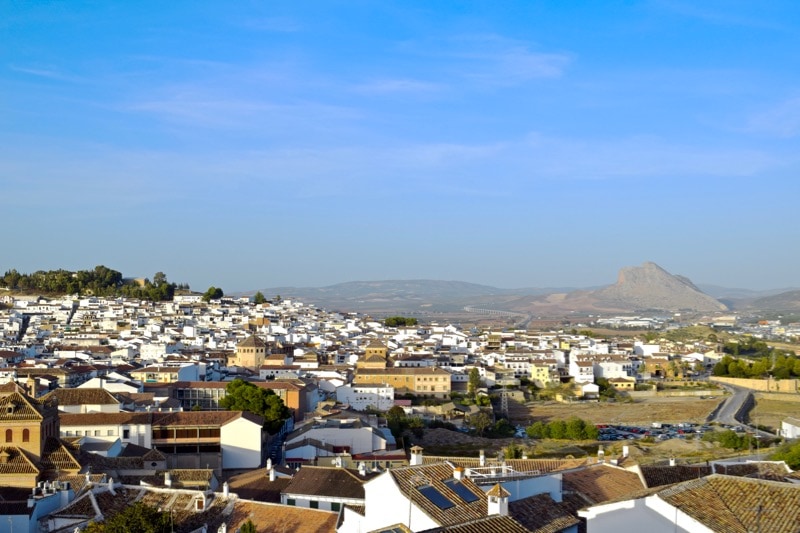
(514, 144)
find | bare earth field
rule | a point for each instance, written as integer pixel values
(639, 412)
(772, 412)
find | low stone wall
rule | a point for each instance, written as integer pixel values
(778, 397)
(786, 386)
(676, 393)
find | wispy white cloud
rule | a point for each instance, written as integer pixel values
(781, 120)
(273, 24)
(393, 86)
(503, 61)
(722, 14)
(489, 59)
(45, 72)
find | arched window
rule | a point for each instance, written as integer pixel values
(26, 435)
(9, 436)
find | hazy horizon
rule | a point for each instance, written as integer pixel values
(515, 144)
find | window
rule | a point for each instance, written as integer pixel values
(335, 506)
(9, 436)
(314, 504)
(290, 501)
(26, 435)
(126, 433)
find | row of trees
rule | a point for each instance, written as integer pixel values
(100, 281)
(399, 321)
(573, 428)
(778, 365)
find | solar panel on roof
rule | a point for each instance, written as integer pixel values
(463, 492)
(435, 497)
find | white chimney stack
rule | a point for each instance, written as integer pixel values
(625, 451)
(362, 469)
(167, 479)
(497, 500)
(225, 490)
(416, 456)
(672, 461)
(482, 458)
(458, 473)
(272, 474)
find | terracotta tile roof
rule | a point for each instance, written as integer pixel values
(541, 514)
(660, 475)
(757, 469)
(195, 418)
(17, 406)
(602, 483)
(270, 517)
(16, 461)
(327, 481)
(410, 478)
(540, 466)
(488, 524)
(405, 370)
(57, 457)
(103, 419)
(498, 491)
(728, 504)
(93, 396)
(253, 341)
(255, 485)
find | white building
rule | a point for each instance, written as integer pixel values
(362, 397)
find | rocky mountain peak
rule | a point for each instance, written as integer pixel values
(651, 287)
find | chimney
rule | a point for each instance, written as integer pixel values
(167, 479)
(497, 500)
(362, 469)
(625, 451)
(111, 486)
(272, 474)
(482, 458)
(269, 464)
(458, 473)
(416, 456)
(225, 490)
(672, 461)
(601, 454)
(63, 494)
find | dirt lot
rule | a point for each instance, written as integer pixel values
(639, 412)
(772, 412)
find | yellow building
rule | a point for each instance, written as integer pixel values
(420, 381)
(540, 375)
(250, 353)
(29, 446)
(374, 355)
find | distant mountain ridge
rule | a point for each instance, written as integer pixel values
(640, 288)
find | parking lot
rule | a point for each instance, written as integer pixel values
(686, 430)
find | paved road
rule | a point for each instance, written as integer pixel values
(731, 406)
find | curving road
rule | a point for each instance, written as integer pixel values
(729, 411)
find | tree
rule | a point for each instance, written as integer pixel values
(474, 381)
(480, 421)
(136, 518)
(575, 428)
(242, 395)
(537, 430)
(213, 293)
(259, 298)
(248, 527)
